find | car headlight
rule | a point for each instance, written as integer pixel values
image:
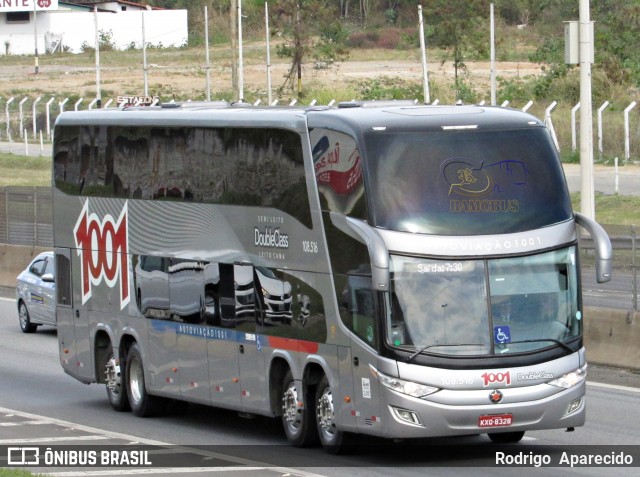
(400, 385)
(571, 379)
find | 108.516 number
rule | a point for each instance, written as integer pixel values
(310, 246)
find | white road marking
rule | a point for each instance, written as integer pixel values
(614, 386)
(246, 463)
(22, 423)
(48, 440)
(165, 470)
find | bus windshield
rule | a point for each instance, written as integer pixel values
(484, 307)
(465, 182)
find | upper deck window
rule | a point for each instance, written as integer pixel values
(260, 167)
(466, 182)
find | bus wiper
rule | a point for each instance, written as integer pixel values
(542, 340)
(424, 348)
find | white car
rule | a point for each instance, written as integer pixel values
(36, 293)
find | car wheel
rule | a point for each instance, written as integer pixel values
(25, 321)
(297, 419)
(116, 384)
(333, 440)
(142, 403)
(506, 437)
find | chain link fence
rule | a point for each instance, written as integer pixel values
(26, 218)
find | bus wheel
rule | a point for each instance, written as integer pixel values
(506, 437)
(333, 440)
(297, 416)
(116, 387)
(142, 403)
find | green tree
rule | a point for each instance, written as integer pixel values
(460, 27)
(617, 36)
(301, 22)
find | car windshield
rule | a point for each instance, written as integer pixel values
(465, 182)
(484, 307)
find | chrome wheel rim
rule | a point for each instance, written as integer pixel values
(114, 377)
(325, 414)
(136, 380)
(291, 412)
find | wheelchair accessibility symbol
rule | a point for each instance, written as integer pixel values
(502, 334)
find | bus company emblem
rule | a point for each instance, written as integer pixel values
(103, 247)
(499, 378)
(495, 396)
(484, 187)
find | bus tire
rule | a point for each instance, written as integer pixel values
(506, 437)
(297, 421)
(142, 403)
(116, 384)
(332, 439)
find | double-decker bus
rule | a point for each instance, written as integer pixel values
(387, 269)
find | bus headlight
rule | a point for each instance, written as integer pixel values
(569, 380)
(405, 387)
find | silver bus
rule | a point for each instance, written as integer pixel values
(387, 269)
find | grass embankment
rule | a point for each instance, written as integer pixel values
(16, 170)
(16, 473)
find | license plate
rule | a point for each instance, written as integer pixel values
(495, 420)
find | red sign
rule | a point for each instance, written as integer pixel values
(103, 247)
(498, 378)
(27, 5)
(495, 420)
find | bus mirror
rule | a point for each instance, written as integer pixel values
(378, 253)
(602, 246)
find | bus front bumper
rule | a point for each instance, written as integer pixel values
(409, 417)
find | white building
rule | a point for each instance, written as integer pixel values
(57, 25)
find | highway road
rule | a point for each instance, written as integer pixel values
(39, 404)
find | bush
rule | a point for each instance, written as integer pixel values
(389, 39)
(389, 88)
(363, 39)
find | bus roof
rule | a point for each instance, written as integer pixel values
(348, 116)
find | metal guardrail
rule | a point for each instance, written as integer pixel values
(26, 218)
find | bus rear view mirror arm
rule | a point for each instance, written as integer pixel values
(378, 253)
(602, 246)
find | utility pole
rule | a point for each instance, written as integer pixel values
(98, 93)
(233, 23)
(240, 58)
(587, 205)
(35, 35)
(493, 55)
(144, 59)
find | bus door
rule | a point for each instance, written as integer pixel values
(187, 303)
(65, 313)
(222, 344)
(365, 341)
(250, 346)
(153, 301)
(84, 368)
